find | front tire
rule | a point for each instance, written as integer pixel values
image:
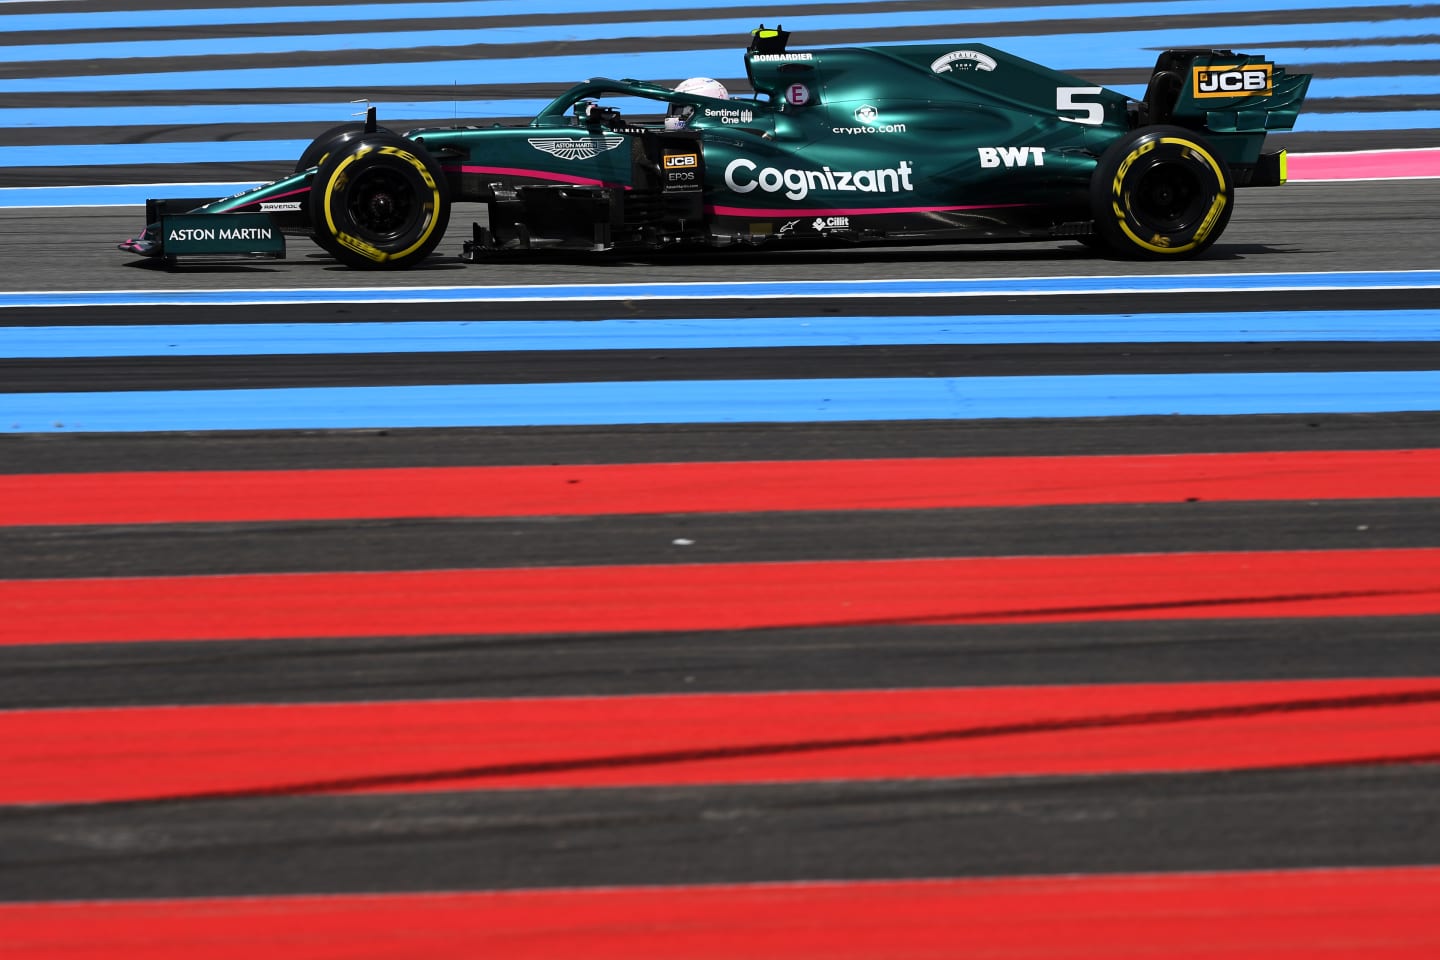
(1161, 193)
(331, 140)
(382, 203)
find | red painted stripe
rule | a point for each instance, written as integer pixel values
(254, 495)
(731, 596)
(1364, 914)
(108, 754)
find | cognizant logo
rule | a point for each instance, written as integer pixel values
(743, 176)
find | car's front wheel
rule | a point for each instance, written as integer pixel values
(1161, 193)
(381, 203)
(331, 140)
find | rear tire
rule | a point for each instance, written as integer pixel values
(381, 203)
(1161, 193)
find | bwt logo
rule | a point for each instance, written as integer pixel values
(1253, 80)
(1012, 156)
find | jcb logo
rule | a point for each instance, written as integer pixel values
(1012, 156)
(681, 161)
(1252, 80)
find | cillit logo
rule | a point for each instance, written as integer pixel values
(1012, 156)
(1252, 80)
(822, 224)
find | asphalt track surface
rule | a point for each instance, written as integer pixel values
(646, 767)
(1069, 686)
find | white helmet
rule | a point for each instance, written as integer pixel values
(679, 114)
(705, 87)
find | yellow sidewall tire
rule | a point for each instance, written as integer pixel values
(1161, 193)
(380, 203)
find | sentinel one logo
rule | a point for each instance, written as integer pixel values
(1251, 80)
(742, 177)
(731, 116)
(221, 233)
(1012, 156)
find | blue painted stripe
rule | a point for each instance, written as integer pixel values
(723, 401)
(1347, 87)
(1379, 120)
(942, 21)
(398, 113)
(1069, 52)
(745, 290)
(119, 195)
(644, 11)
(422, 336)
(86, 154)
(393, 113)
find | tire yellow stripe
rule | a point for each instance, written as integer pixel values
(360, 246)
(1210, 215)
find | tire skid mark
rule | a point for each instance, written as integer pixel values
(1264, 725)
(722, 596)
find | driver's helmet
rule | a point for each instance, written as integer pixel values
(705, 87)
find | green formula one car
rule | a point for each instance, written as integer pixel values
(856, 145)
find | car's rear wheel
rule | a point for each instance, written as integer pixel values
(331, 140)
(1161, 193)
(381, 203)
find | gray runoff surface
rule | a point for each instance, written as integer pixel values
(1254, 820)
(1300, 227)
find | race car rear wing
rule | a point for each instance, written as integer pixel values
(1234, 98)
